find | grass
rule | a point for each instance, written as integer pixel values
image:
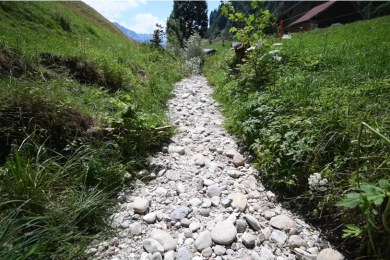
(217, 45)
(302, 116)
(75, 94)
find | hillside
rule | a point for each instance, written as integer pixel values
(78, 105)
(141, 38)
(315, 113)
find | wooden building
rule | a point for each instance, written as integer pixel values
(321, 16)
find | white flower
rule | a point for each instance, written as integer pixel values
(316, 182)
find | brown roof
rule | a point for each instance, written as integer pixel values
(313, 12)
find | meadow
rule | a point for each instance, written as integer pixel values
(315, 112)
(76, 98)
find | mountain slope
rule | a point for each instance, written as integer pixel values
(78, 99)
(141, 38)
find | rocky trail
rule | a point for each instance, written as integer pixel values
(204, 200)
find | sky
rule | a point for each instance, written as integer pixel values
(140, 16)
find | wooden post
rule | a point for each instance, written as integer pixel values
(281, 29)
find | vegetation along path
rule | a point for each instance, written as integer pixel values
(205, 201)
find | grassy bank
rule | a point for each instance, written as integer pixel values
(76, 97)
(301, 115)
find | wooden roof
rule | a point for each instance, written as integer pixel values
(313, 12)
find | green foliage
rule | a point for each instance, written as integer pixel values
(158, 34)
(187, 18)
(302, 115)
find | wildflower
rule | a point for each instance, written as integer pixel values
(317, 182)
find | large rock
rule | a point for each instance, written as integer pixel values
(151, 246)
(238, 160)
(239, 201)
(180, 213)
(329, 254)
(224, 233)
(213, 190)
(203, 241)
(140, 205)
(282, 222)
(252, 222)
(164, 239)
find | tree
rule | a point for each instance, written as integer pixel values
(187, 17)
(158, 34)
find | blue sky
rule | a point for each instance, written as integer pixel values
(140, 16)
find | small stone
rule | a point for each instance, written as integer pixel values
(199, 159)
(296, 241)
(179, 213)
(215, 201)
(213, 190)
(205, 212)
(203, 241)
(282, 222)
(170, 255)
(185, 222)
(195, 202)
(207, 252)
(226, 203)
(232, 219)
(180, 188)
(238, 160)
(156, 256)
(268, 214)
(140, 205)
(207, 203)
(252, 222)
(305, 255)
(161, 191)
(152, 246)
(164, 239)
(195, 226)
(173, 175)
(135, 229)
(229, 251)
(241, 225)
(279, 237)
(208, 182)
(150, 218)
(330, 254)
(230, 153)
(183, 254)
(248, 240)
(223, 233)
(234, 174)
(239, 201)
(266, 253)
(176, 149)
(219, 250)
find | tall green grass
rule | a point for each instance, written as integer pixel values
(304, 117)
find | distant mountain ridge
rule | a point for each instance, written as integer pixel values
(141, 38)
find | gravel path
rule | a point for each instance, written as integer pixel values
(204, 201)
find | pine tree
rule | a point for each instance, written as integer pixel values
(191, 17)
